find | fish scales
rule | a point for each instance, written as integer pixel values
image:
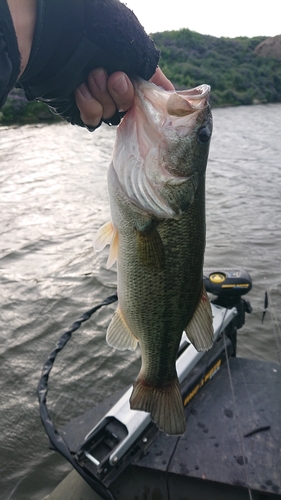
(159, 242)
(160, 301)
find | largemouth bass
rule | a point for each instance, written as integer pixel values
(156, 184)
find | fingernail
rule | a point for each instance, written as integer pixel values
(121, 86)
(100, 79)
(83, 89)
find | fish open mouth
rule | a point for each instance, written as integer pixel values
(152, 99)
(196, 93)
(185, 102)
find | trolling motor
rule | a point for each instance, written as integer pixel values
(228, 285)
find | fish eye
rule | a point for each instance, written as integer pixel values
(204, 135)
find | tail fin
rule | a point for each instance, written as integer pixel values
(164, 403)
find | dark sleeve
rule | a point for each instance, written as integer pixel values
(74, 36)
(9, 53)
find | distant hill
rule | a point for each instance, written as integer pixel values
(240, 70)
(271, 47)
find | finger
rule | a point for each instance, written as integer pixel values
(90, 109)
(161, 80)
(97, 83)
(121, 90)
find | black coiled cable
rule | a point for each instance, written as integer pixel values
(55, 438)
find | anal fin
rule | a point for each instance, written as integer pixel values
(200, 328)
(119, 335)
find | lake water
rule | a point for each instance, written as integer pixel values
(53, 198)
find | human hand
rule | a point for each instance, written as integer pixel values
(102, 95)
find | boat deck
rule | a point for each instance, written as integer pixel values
(231, 444)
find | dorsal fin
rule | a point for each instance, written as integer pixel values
(104, 236)
(113, 252)
(107, 235)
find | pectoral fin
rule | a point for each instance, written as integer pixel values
(119, 335)
(107, 235)
(200, 328)
(150, 247)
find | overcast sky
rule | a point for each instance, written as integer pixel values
(210, 17)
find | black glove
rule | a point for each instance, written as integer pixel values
(9, 53)
(71, 38)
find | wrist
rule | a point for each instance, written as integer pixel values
(23, 13)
